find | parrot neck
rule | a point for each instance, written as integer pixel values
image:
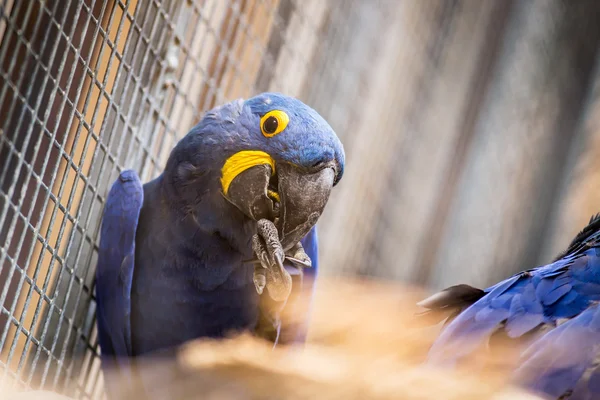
(203, 211)
(190, 187)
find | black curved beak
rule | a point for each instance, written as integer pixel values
(294, 198)
(303, 195)
(249, 192)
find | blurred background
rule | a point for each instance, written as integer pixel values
(471, 130)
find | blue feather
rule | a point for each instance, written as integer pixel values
(114, 272)
(557, 361)
(562, 360)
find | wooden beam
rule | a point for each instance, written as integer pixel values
(524, 129)
(579, 196)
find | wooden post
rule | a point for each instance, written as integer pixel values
(579, 196)
(499, 214)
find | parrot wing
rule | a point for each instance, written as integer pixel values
(563, 362)
(449, 303)
(566, 289)
(114, 271)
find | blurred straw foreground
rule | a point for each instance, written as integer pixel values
(365, 343)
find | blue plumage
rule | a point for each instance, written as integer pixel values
(173, 259)
(114, 278)
(567, 289)
(556, 362)
(319, 143)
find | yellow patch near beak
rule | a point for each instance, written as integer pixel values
(273, 195)
(241, 161)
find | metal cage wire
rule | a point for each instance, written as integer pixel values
(90, 87)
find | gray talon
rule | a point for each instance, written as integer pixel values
(260, 280)
(270, 253)
(299, 256)
(260, 251)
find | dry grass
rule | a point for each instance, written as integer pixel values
(365, 343)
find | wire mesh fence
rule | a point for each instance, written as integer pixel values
(90, 87)
(442, 107)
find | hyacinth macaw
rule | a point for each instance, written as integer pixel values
(552, 310)
(221, 238)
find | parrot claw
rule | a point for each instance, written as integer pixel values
(299, 256)
(279, 256)
(260, 267)
(299, 263)
(261, 253)
(295, 255)
(268, 250)
(260, 280)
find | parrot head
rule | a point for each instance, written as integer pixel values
(270, 156)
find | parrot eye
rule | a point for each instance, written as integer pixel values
(273, 122)
(270, 125)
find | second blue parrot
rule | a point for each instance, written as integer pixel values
(551, 310)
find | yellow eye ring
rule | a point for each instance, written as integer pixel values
(273, 122)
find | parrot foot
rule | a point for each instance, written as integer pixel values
(259, 278)
(270, 273)
(298, 256)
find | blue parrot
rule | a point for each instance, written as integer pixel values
(223, 239)
(551, 310)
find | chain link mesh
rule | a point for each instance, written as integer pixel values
(90, 87)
